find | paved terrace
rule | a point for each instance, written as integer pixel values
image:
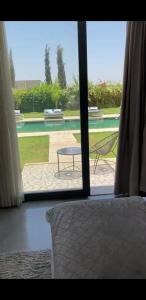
(72, 118)
(44, 176)
(65, 132)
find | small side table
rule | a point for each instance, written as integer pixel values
(68, 151)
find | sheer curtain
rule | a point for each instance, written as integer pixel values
(11, 189)
(131, 160)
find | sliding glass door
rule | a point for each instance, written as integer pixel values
(65, 121)
(106, 46)
(48, 66)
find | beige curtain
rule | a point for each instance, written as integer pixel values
(131, 160)
(11, 190)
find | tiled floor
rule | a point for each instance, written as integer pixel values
(25, 228)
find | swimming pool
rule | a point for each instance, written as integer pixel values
(62, 125)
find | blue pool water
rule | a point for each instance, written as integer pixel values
(62, 125)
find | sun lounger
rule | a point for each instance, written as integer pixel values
(18, 115)
(94, 111)
(53, 114)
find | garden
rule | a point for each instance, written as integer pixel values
(33, 101)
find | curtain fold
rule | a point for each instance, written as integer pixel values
(130, 178)
(11, 189)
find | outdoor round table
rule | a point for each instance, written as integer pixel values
(68, 151)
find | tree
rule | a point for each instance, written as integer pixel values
(12, 70)
(73, 94)
(61, 69)
(47, 66)
(56, 93)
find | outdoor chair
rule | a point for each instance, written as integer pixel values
(94, 111)
(18, 115)
(53, 114)
(103, 147)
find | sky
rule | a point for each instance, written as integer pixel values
(105, 48)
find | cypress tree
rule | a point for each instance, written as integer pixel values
(47, 66)
(12, 70)
(61, 69)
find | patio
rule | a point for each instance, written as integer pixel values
(44, 176)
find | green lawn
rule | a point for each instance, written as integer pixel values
(33, 115)
(94, 138)
(68, 113)
(33, 149)
(111, 110)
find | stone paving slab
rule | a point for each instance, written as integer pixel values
(25, 134)
(60, 140)
(43, 176)
(70, 118)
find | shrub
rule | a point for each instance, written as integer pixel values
(107, 95)
(39, 98)
(73, 95)
(52, 96)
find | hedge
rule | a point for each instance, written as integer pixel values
(52, 96)
(104, 96)
(39, 98)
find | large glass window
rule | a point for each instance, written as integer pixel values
(44, 66)
(45, 85)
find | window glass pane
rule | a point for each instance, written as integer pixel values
(45, 86)
(106, 46)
